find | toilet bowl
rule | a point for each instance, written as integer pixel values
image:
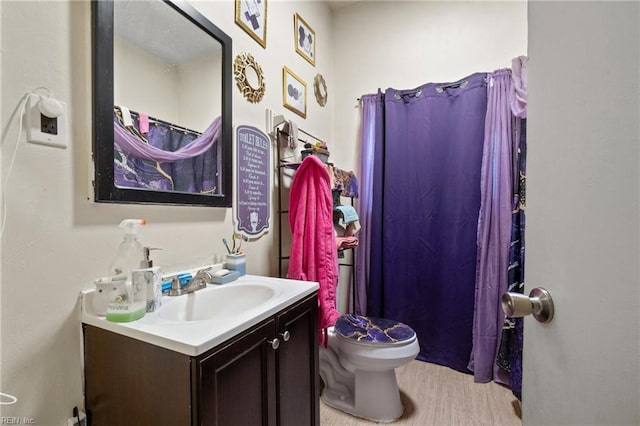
(358, 366)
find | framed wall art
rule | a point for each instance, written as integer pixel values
(251, 16)
(305, 39)
(294, 92)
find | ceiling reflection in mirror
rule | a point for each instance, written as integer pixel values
(168, 101)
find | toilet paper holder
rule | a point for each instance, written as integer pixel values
(539, 303)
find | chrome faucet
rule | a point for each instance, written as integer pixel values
(198, 282)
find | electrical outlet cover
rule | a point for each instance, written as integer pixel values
(73, 421)
(34, 125)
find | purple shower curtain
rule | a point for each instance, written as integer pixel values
(494, 229)
(375, 288)
(509, 357)
(426, 198)
(364, 203)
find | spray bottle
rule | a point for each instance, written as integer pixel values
(127, 302)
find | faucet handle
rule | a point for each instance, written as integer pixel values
(199, 281)
(176, 287)
(205, 274)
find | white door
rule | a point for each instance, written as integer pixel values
(582, 231)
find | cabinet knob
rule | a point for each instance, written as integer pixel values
(275, 343)
(286, 335)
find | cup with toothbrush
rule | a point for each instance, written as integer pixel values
(236, 259)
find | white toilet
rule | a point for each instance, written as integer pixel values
(358, 367)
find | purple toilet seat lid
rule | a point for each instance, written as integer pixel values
(373, 331)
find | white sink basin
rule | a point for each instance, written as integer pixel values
(194, 323)
(213, 302)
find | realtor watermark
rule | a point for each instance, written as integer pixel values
(16, 420)
(8, 399)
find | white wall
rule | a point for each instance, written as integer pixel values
(138, 77)
(57, 241)
(2, 169)
(198, 107)
(404, 44)
(187, 94)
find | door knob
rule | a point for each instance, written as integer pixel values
(539, 303)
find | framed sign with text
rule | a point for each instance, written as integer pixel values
(253, 181)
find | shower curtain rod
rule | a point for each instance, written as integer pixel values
(157, 121)
(441, 85)
(359, 99)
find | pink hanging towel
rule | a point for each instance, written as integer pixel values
(313, 242)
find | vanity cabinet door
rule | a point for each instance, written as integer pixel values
(129, 382)
(298, 382)
(233, 385)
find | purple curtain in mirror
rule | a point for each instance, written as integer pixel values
(167, 159)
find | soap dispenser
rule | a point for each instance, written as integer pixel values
(150, 278)
(127, 302)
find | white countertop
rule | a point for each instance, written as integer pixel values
(196, 337)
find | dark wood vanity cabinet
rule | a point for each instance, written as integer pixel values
(298, 376)
(244, 381)
(234, 384)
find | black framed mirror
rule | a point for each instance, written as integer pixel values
(162, 124)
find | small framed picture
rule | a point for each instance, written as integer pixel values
(304, 39)
(251, 16)
(294, 92)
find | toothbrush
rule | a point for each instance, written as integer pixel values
(224, 241)
(241, 238)
(239, 245)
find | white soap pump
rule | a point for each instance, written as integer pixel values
(150, 278)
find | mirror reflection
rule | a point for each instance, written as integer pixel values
(162, 104)
(251, 75)
(163, 65)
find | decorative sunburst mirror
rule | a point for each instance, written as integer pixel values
(320, 89)
(249, 77)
